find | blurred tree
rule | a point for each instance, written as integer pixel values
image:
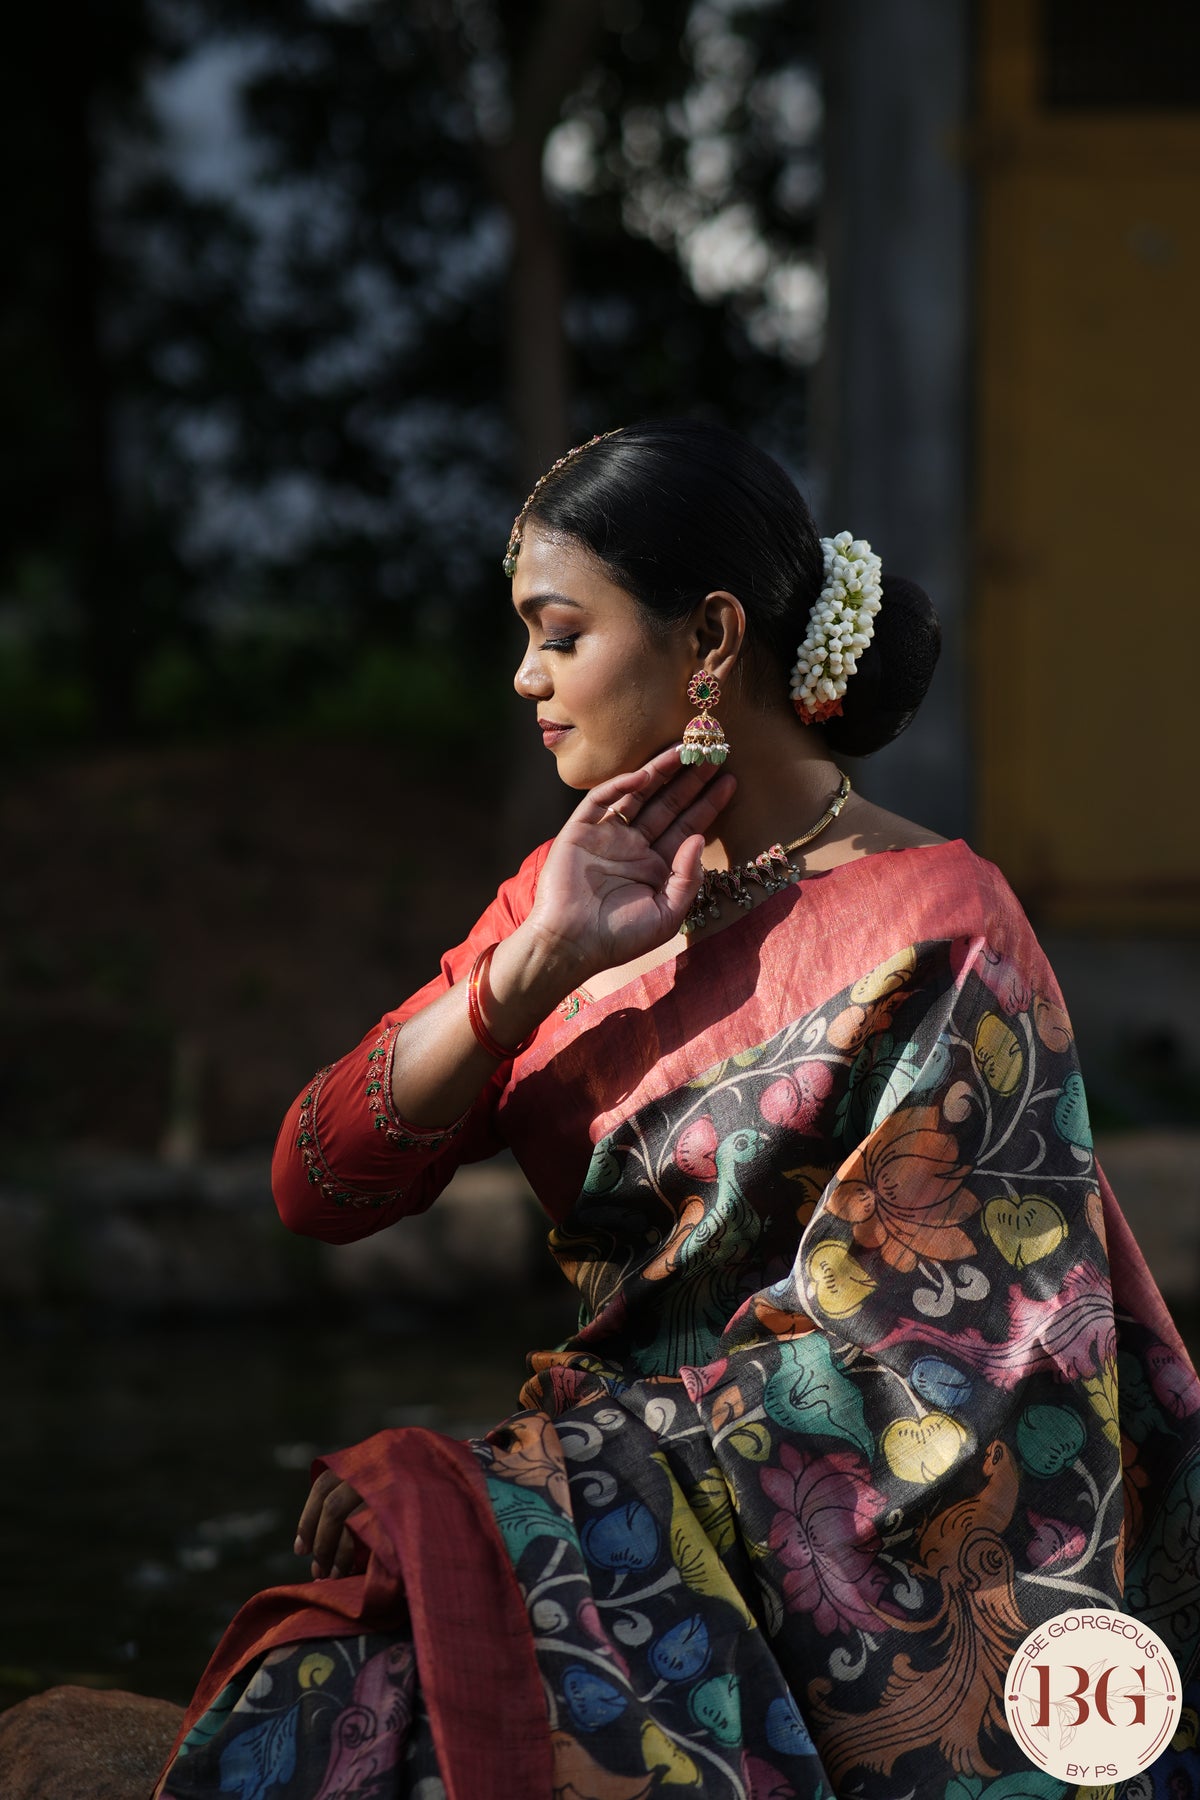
(324, 284)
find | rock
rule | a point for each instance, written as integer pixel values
(77, 1743)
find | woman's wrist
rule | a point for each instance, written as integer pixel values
(530, 973)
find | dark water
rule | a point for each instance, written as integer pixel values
(152, 1478)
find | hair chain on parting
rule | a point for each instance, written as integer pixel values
(514, 540)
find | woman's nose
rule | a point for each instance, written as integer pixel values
(530, 680)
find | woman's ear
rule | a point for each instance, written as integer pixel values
(720, 632)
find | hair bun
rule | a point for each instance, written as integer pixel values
(893, 673)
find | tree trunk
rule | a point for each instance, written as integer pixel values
(104, 599)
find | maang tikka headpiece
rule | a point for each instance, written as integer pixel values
(514, 541)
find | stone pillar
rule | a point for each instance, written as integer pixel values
(893, 412)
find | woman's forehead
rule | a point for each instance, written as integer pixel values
(553, 567)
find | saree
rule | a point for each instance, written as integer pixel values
(870, 1379)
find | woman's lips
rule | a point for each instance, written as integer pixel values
(552, 732)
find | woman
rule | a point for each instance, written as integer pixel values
(856, 1398)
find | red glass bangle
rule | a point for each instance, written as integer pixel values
(477, 986)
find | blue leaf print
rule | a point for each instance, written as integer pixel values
(786, 1730)
(592, 1701)
(626, 1538)
(940, 1383)
(261, 1758)
(683, 1652)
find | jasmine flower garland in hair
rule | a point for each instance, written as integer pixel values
(840, 626)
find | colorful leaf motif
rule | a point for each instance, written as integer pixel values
(261, 1758)
(940, 1383)
(625, 1538)
(809, 1393)
(786, 1730)
(683, 1652)
(211, 1722)
(885, 980)
(1071, 1113)
(713, 1506)
(1049, 1438)
(592, 1701)
(920, 1450)
(523, 1515)
(751, 1440)
(999, 1055)
(1101, 1391)
(667, 1759)
(881, 1078)
(315, 1670)
(1051, 1023)
(1024, 1231)
(716, 1704)
(839, 1283)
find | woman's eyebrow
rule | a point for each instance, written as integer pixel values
(533, 603)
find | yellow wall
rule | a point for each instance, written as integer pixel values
(1086, 655)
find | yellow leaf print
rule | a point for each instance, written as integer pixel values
(693, 1554)
(1101, 1390)
(1024, 1231)
(714, 1509)
(919, 1450)
(1188, 1734)
(753, 1441)
(315, 1670)
(889, 976)
(840, 1285)
(665, 1758)
(998, 1054)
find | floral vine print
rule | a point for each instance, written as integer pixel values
(850, 1408)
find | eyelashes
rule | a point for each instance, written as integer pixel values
(562, 643)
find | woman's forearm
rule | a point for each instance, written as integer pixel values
(439, 1066)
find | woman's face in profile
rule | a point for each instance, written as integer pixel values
(610, 692)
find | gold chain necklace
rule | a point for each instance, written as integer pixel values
(770, 871)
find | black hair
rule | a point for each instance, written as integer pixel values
(676, 509)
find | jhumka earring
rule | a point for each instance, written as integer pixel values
(703, 739)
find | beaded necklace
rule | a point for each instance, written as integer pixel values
(770, 871)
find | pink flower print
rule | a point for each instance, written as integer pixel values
(695, 1150)
(795, 1101)
(702, 1379)
(1053, 1541)
(824, 1535)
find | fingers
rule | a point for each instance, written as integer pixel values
(635, 787)
(681, 809)
(310, 1518)
(684, 880)
(322, 1528)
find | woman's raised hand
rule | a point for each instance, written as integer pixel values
(625, 868)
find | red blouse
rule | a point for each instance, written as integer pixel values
(346, 1164)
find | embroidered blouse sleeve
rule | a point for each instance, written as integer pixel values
(346, 1164)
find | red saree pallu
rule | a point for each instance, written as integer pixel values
(870, 1379)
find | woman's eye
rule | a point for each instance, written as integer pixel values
(562, 643)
